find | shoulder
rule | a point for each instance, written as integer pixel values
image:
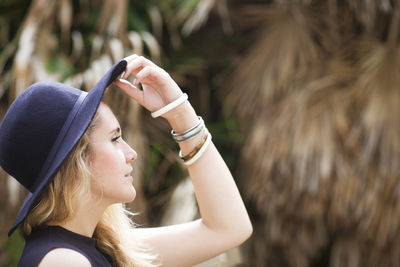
(63, 257)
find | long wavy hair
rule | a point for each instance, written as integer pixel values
(115, 232)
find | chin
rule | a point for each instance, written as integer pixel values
(129, 196)
(132, 198)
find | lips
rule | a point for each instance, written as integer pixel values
(129, 174)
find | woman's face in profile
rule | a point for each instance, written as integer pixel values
(110, 160)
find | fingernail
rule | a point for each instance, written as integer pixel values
(122, 75)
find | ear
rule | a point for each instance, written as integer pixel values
(88, 156)
(88, 160)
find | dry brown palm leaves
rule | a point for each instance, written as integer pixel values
(112, 21)
(294, 108)
(292, 43)
(200, 15)
(375, 206)
(322, 147)
(307, 126)
(367, 12)
(65, 19)
(40, 12)
(293, 152)
(188, 18)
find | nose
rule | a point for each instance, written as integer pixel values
(130, 154)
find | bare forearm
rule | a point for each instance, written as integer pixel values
(224, 222)
(220, 204)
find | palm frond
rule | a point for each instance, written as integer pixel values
(293, 153)
(198, 17)
(286, 47)
(65, 20)
(375, 145)
(379, 97)
(152, 45)
(117, 49)
(136, 42)
(156, 22)
(297, 140)
(112, 20)
(77, 45)
(39, 12)
(367, 12)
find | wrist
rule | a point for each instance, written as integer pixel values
(172, 105)
(182, 117)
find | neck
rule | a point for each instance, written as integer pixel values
(85, 219)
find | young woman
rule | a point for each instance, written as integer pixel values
(67, 149)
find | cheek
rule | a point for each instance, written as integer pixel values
(100, 162)
(102, 177)
(106, 164)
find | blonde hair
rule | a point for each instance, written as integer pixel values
(114, 234)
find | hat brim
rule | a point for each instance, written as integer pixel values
(77, 128)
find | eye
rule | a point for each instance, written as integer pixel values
(115, 139)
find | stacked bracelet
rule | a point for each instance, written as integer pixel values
(170, 106)
(198, 151)
(194, 151)
(190, 133)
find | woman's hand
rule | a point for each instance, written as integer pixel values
(159, 89)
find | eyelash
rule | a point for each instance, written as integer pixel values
(116, 138)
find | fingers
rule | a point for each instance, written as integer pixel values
(130, 90)
(147, 74)
(135, 64)
(131, 57)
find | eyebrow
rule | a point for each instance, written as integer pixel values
(116, 130)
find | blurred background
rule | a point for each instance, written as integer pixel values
(301, 97)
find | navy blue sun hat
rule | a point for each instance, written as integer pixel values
(42, 127)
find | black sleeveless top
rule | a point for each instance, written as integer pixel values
(42, 240)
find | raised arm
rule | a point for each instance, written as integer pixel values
(224, 221)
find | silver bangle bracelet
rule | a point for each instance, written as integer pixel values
(190, 133)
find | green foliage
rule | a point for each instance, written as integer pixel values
(59, 65)
(227, 138)
(13, 248)
(138, 18)
(188, 5)
(155, 180)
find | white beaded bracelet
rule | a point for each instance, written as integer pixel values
(200, 152)
(170, 106)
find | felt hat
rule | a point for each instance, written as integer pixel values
(42, 127)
